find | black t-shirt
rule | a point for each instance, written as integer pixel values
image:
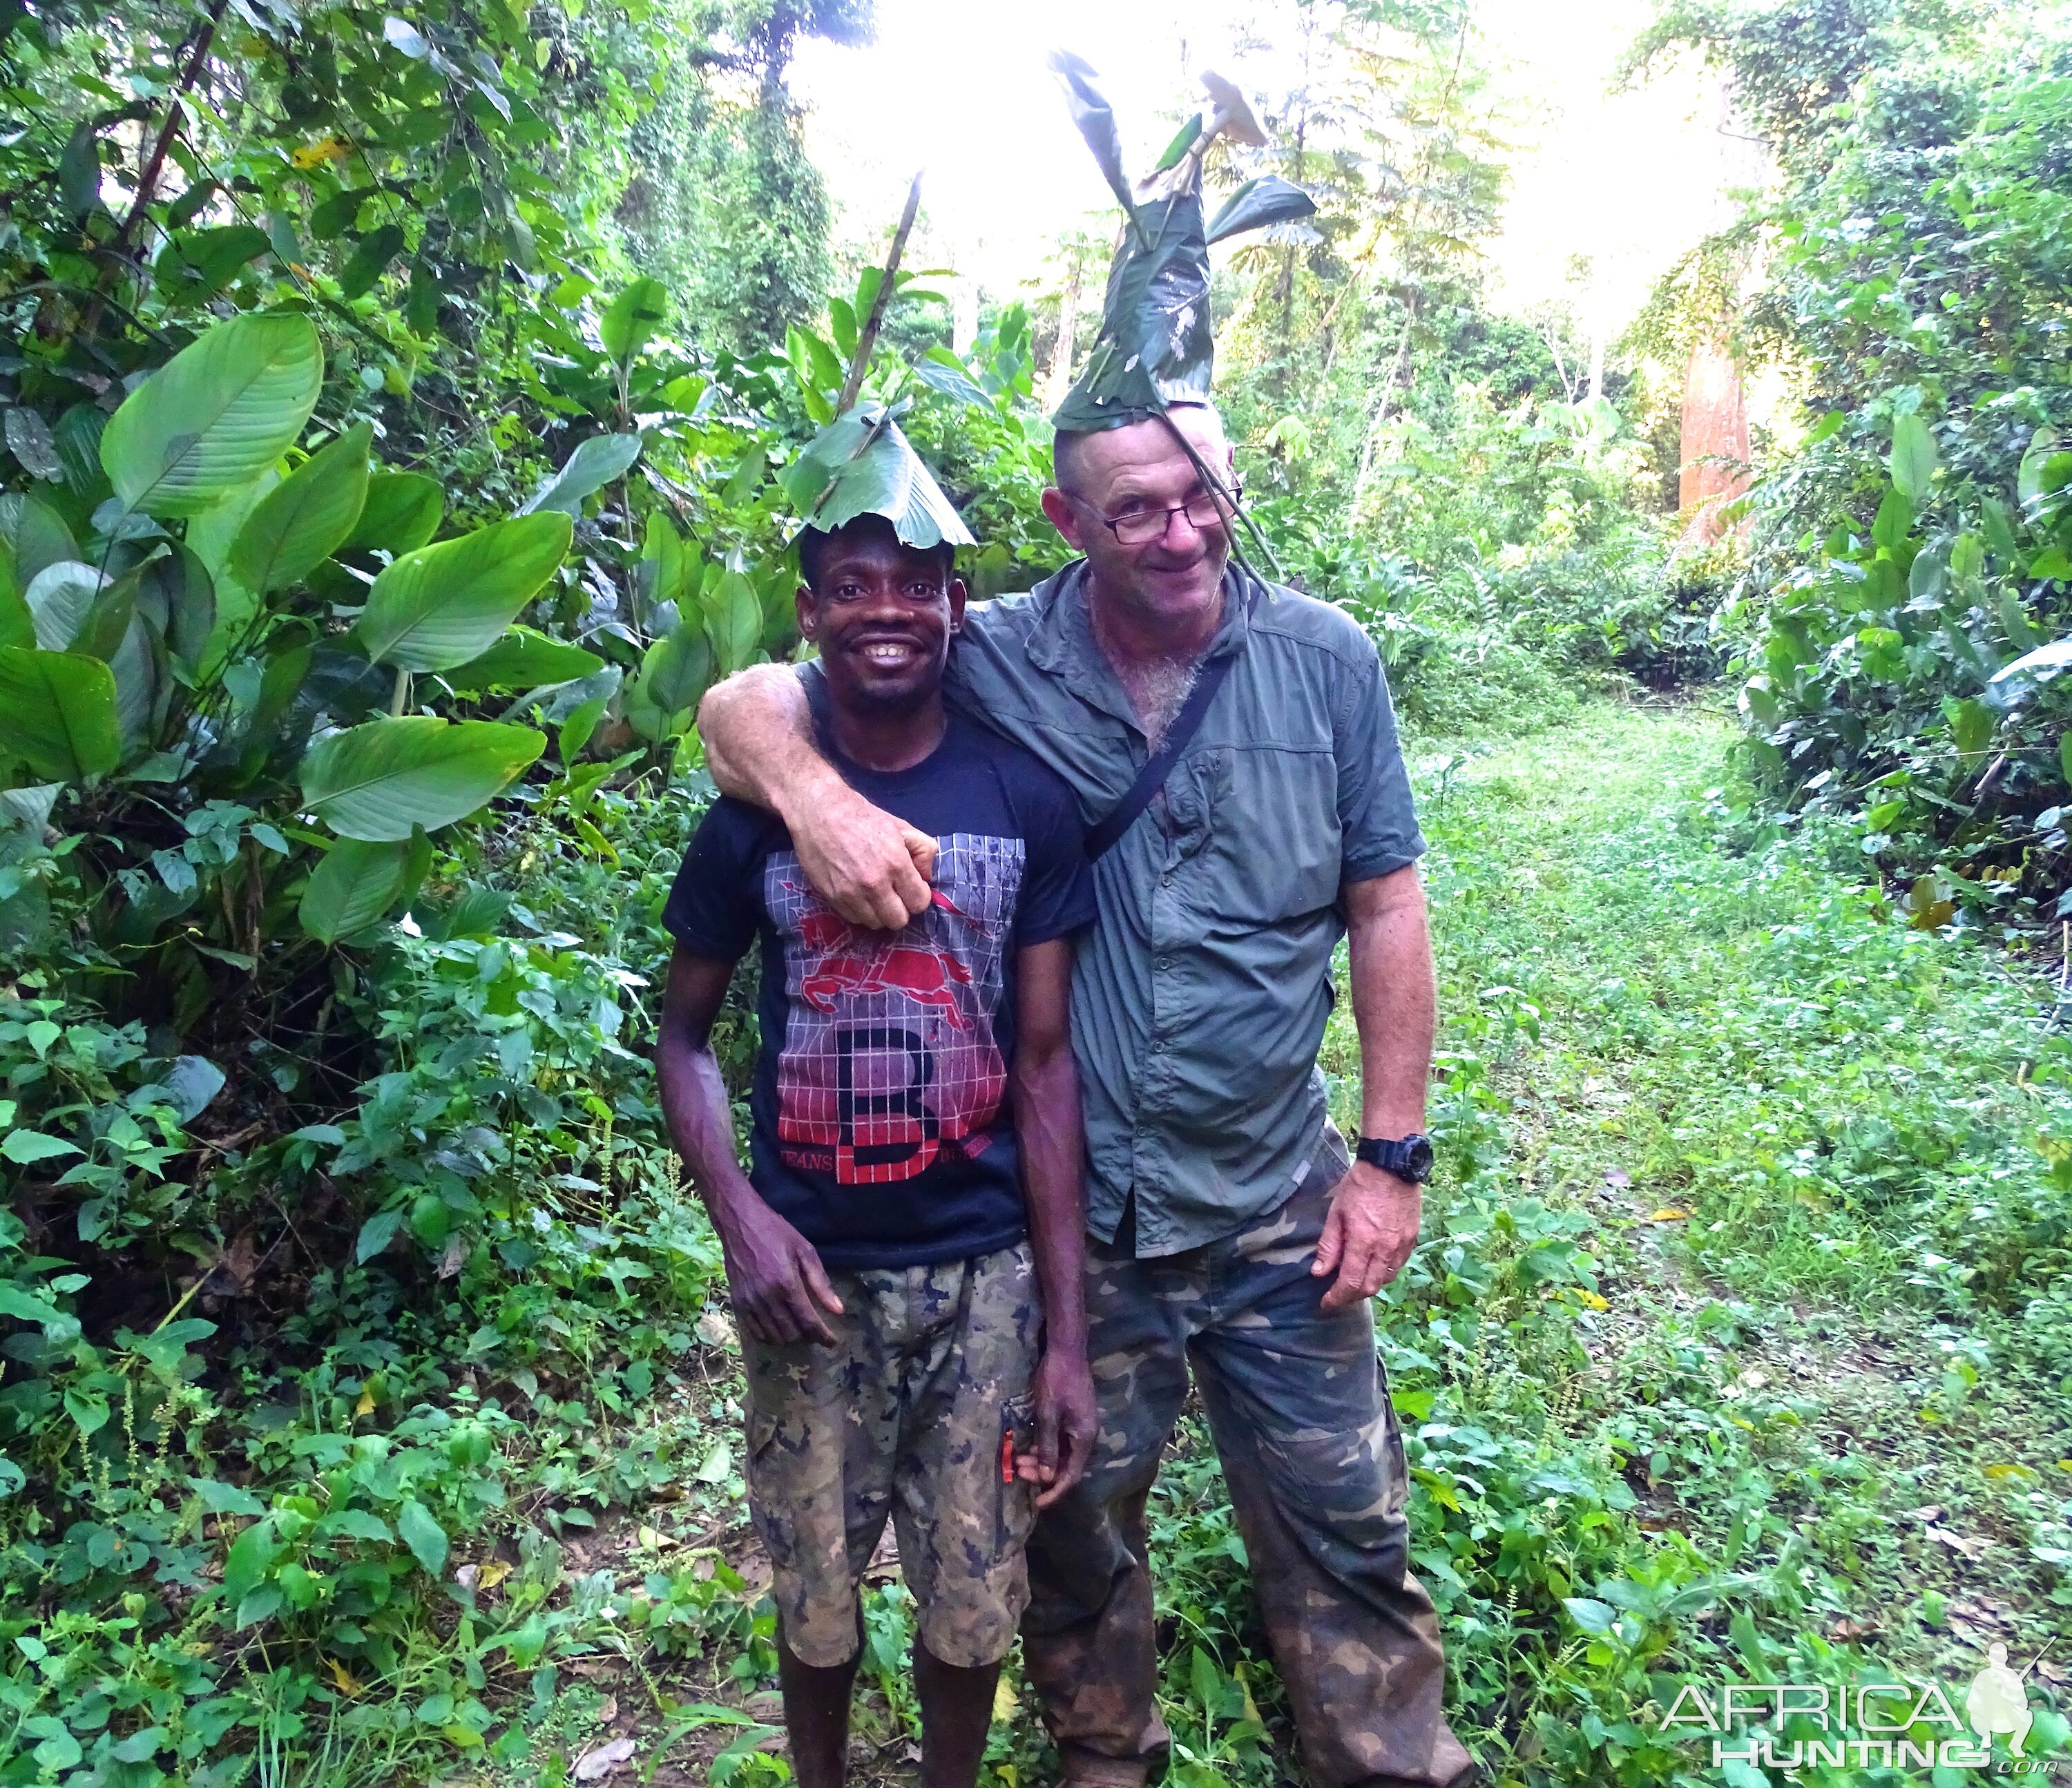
(882, 1131)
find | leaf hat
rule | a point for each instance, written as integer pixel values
(1156, 347)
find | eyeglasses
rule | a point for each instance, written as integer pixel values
(1204, 511)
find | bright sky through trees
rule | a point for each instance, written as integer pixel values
(1630, 181)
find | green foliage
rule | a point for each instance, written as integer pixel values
(1910, 557)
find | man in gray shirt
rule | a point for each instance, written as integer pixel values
(1228, 1236)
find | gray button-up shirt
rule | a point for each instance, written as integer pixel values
(1199, 997)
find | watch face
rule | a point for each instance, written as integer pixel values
(1419, 1162)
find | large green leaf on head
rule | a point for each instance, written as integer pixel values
(860, 464)
(58, 714)
(632, 316)
(354, 884)
(305, 518)
(1156, 346)
(216, 415)
(436, 608)
(402, 513)
(375, 782)
(523, 659)
(1096, 119)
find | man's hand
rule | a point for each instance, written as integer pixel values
(872, 869)
(1369, 1234)
(1065, 1411)
(779, 1285)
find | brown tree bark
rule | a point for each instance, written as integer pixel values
(1713, 456)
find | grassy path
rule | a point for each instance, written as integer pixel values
(1729, 1355)
(1730, 1328)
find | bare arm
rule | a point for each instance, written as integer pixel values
(779, 1286)
(1052, 1147)
(1374, 1219)
(758, 734)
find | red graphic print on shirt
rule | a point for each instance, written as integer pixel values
(889, 1059)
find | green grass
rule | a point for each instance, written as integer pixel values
(1740, 1253)
(1715, 1363)
(1738, 1348)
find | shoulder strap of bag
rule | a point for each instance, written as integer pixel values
(1103, 837)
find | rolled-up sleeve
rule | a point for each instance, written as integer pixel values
(1377, 817)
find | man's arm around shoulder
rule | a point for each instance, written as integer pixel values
(1051, 1142)
(756, 728)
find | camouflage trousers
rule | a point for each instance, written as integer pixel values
(907, 1415)
(1301, 1420)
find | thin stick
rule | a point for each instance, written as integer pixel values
(867, 337)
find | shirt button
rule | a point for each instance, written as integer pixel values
(1164, 962)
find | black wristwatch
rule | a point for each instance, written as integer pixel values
(1410, 1159)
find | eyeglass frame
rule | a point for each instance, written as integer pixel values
(1226, 507)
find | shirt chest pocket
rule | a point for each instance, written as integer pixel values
(1267, 817)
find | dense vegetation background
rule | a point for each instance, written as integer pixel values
(394, 410)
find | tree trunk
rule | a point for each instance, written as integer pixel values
(1712, 460)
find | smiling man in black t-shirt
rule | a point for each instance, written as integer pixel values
(906, 1254)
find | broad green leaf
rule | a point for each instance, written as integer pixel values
(522, 658)
(676, 672)
(18, 624)
(436, 608)
(1265, 199)
(941, 370)
(593, 464)
(662, 560)
(1913, 457)
(375, 782)
(135, 663)
(58, 714)
(422, 1534)
(733, 621)
(576, 729)
(1971, 726)
(862, 465)
(252, 1555)
(403, 512)
(216, 415)
(107, 623)
(59, 601)
(632, 316)
(1894, 519)
(376, 1234)
(25, 1146)
(1593, 1617)
(2064, 756)
(355, 884)
(176, 593)
(33, 535)
(305, 518)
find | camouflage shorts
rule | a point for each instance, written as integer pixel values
(907, 1415)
